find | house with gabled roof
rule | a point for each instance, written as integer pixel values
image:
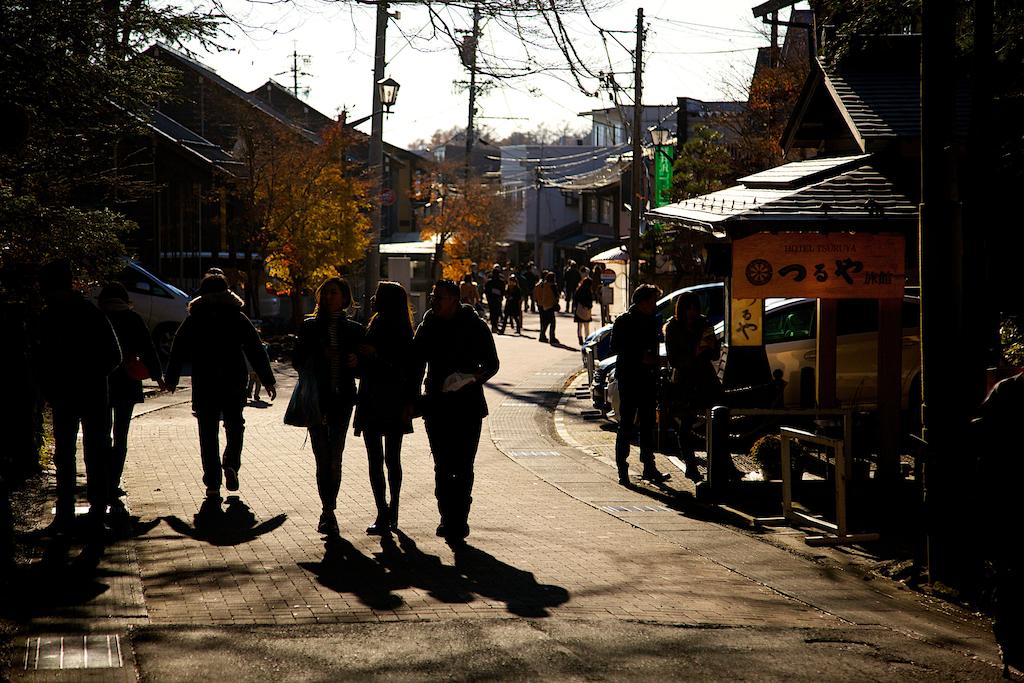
(215, 111)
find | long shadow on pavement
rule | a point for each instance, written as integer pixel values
(219, 526)
(403, 565)
(488, 576)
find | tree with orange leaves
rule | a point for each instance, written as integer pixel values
(314, 213)
(467, 222)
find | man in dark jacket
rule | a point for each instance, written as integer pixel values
(571, 280)
(494, 290)
(77, 352)
(216, 338)
(454, 347)
(635, 340)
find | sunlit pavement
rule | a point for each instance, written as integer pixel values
(566, 574)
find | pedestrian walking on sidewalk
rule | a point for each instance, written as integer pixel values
(635, 339)
(582, 311)
(387, 392)
(546, 296)
(1000, 471)
(692, 348)
(216, 338)
(457, 352)
(140, 361)
(468, 292)
(571, 280)
(327, 346)
(513, 305)
(495, 292)
(77, 352)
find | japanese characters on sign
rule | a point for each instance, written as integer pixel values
(747, 317)
(833, 266)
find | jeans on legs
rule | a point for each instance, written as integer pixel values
(637, 405)
(328, 442)
(454, 439)
(209, 419)
(94, 417)
(122, 421)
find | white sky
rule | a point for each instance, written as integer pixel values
(694, 48)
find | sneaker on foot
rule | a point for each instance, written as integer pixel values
(231, 478)
(543, 339)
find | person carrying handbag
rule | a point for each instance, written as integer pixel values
(326, 348)
(582, 313)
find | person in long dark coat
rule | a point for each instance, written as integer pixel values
(457, 351)
(583, 303)
(138, 349)
(217, 338)
(328, 344)
(494, 290)
(77, 352)
(692, 347)
(635, 340)
(1000, 470)
(513, 305)
(387, 392)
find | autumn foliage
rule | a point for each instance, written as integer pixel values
(468, 219)
(314, 215)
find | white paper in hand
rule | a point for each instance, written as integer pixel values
(456, 381)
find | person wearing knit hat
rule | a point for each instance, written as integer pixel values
(139, 361)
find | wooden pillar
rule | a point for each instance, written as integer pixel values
(890, 385)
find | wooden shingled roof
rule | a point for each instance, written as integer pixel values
(835, 193)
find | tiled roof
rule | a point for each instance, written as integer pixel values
(211, 75)
(879, 103)
(199, 146)
(854, 192)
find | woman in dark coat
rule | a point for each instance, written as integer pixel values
(387, 391)
(138, 357)
(583, 301)
(513, 305)
(692, 348)
(327, 345)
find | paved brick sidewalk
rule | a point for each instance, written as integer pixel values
(553, 534)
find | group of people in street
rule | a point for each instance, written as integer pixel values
(509, 291)
(98, 357)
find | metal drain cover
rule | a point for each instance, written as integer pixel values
(74, 652)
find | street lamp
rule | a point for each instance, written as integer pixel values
(385, 95)
(660, 136)
(387, 90)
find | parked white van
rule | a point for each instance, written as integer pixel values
(161, 305)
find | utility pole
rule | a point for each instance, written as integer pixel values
(636, 205)
(539, 182)
(376, 161)
(940, 237)
(469, 56)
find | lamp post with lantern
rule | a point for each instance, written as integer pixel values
(385, 94)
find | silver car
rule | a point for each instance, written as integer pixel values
(790, 328)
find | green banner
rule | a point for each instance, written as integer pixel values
(662, 175)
